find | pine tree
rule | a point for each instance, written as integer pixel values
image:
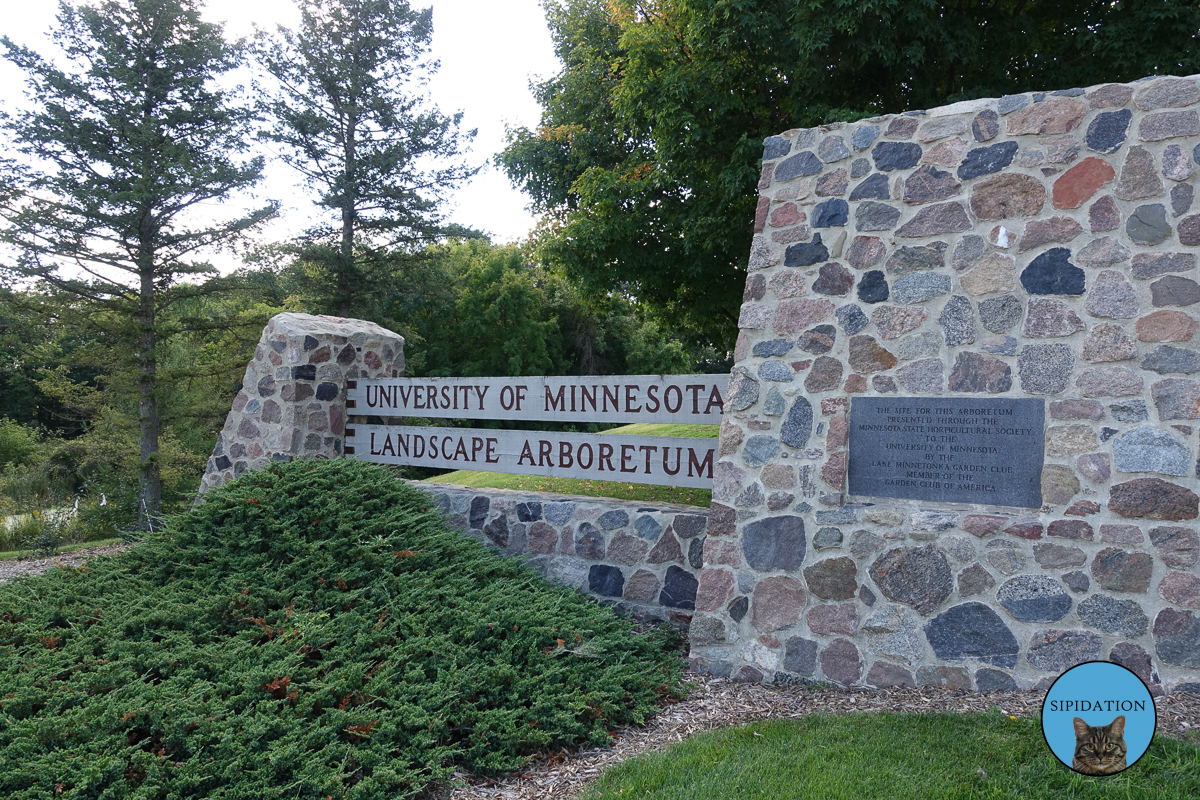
(125, 154)
(351, 118)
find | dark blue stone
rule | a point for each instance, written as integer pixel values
(798, 425)
(529, 512)
(832, 213)
(852, 319)
(679, 589)
(773, 347)
(873, 288)
(308, 372)
(1107, 132)
(775, 147)
(310, 343)
(266, 387)
(613, 519)
(873, 188)
(1107, 433)
(993, 680)
(862, 138)
(803, 163)
(278, 346)
(806, 254)
(606, 580)
(774, 543)
(895, 155)
(689, 525)
(327, 391)
(1181, 199)
(223, 462)
(1053, 273)
(800, 656)
(738, 608)
(696, 554)
(497, 531)
(986, 160)
(480, 505)
(972, 631)
(1196, 154)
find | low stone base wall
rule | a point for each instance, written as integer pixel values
(644, 558)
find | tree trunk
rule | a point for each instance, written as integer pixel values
(150, 503)
(349, 191)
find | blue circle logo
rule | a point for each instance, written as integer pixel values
(1098, 718)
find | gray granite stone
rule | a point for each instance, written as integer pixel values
(1006, 556)
(1057, 651)
(1168, 360)
(774, 371)
(803, 163)
(1151, 449)
(1112, 296)
(1177, 637)
(957, 320)
(863, 137)
(851, 319)
(797, 427)
(1148, 224)
(873, 188)
(1000, 314)
(1045, 369)
(926, 376)
(1110, 615)
(875, 216)
(893, 632)
(774, 543)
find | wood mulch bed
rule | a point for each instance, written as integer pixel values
(36, 566)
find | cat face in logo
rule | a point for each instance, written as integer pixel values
(1100, 749)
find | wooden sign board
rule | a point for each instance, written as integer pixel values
(677, 399)
(662, 460)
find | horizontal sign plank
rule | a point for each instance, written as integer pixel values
(687, 399)
(662, 460)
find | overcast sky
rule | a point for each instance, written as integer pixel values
(489, 51)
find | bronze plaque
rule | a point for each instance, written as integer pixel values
(948, 449)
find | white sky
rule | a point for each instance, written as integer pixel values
(489, 51)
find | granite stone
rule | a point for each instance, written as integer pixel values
(1177, 163)
(1006, 196)
(895, 321)
(865, 252)
(1152, 265)
(1000, 314)
(893, 632)
(833, 279)
(1189, 230)
(679, 589)
(1174, 290)
(1151, 449)
(1107, 342)
(1109, 382)
(772, 347)
(774, 543)
(1034, 598)
(1177, 637)
(1103, 252)
(920, 287)
(1006, 556)
(1104, 215)
(889, 156)
(841, 662)
(974, 580)
(777, 603)
(928, 184)
(1047, 318)
(919, 345)
(818, 340)
(972, 631)
(875, 187)
(793, 316)
(917, 576)
(908, 259)
(1045, 369)
(1166, 360)
(606, 580)
(860, 167)
(1177, 547)
(1139, 177)
(986, 160)
(1181, 199)
(958, 321)
(1059, 484)
(1122, 570)
(851, 319)
(806, 254)
(935, 220)
(1113, 296)
(1181, 589)
(1168, 125)
(873, 287)
(975, 373)
(994, 274)
(803, 163)
(833, 213)
(969, 249)
(1056, 556)
(921, 377)
(1108, 131)
(1167, 93)
(800, 654)
(875, 216)
(832, 149)
(826, 374)
(1057, 650)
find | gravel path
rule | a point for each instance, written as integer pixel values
(36, 566)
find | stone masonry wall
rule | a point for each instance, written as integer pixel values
(643, 559)
(1038, 245)
(293, 398)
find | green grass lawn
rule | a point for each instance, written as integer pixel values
(638, 492)
(884, 755)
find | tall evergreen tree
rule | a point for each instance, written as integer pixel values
(350, 116)
(126, 152)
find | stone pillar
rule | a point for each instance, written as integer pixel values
(1041, 247)
(293, 398)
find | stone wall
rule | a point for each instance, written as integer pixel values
(642, 558)
(292, 403)
(1038, 245)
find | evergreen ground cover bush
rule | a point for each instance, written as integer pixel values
(312, 630)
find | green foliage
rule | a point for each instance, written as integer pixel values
(647, 155)
(347, 106)
(312, 630)
(121, 147)
(871, 755)
(18, 443)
